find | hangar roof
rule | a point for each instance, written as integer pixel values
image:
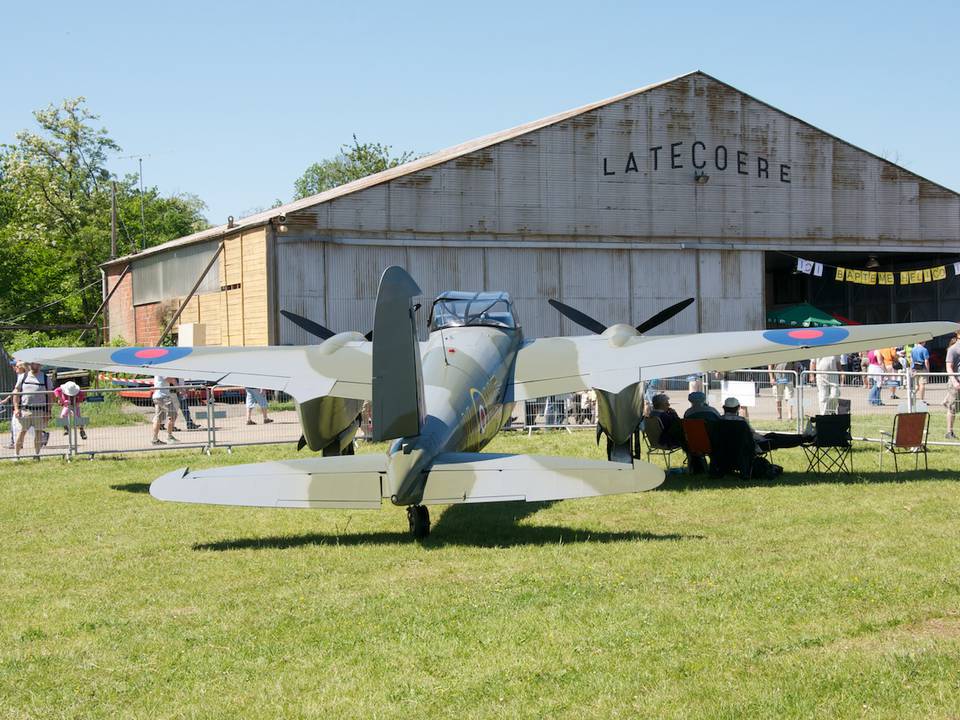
(438, 158)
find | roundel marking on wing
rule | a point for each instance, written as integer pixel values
(807, 336)
(148, 355)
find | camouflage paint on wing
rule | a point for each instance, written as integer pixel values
(339, 366)
(487, 477)
(352, 481)
(551, 366)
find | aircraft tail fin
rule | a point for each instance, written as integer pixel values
(490, 477)
(398, 403)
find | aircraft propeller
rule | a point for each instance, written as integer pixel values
(595, 326)
(314, 328)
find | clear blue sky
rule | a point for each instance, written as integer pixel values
(231, 101)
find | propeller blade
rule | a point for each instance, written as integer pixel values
(314, 328)
(301, 443)
(581, 319)
(662, 316)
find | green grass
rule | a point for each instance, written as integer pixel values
(809, 597)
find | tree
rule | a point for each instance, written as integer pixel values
(55, 216)
(354, 162)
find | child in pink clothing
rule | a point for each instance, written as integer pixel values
(69, 396)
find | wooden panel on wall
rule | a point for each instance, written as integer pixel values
(253, 287)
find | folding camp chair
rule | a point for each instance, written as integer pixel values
(734, 448)
(909, 436)
(831, 450)
(652, 431)
(696, 441)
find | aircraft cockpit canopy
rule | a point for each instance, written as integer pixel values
(460, 309)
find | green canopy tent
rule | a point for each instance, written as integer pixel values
(802, 315)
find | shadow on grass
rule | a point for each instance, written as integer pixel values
(789, 479)
(493, 525)
(132, 487)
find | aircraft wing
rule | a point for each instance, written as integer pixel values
(340, 366)
(553, 366)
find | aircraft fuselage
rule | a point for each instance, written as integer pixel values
(465, 374)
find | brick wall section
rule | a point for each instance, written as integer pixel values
(149, 324)
(120, 311)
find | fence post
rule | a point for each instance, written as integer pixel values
(801, 386)
(798, 399)
(908, 381)
(72, 410)
(211, 418)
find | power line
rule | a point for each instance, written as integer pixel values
(53, 302)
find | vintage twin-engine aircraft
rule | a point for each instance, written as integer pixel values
(443, 400)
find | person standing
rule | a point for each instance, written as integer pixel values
(165, 409)
(920, 359)
(828, 385)
(874, 377)
(19, 367)
(31, 406)
(953, 385)
(888, 357)
(256, 398)
(782, 381)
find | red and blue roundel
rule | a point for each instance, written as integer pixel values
(148, 355)
(807, 337)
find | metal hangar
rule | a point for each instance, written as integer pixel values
(684, 188)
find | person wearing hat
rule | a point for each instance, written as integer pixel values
(69, 396)
(671, 431)
(698, 407)
(765, 441)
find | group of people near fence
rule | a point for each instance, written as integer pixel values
(32, 406)
(170, 398)
(671, 428)
(35, 399)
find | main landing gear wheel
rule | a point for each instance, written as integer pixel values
(419, 518)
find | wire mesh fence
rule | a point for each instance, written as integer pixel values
(132, 419)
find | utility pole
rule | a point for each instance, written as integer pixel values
(113, 220)
(143, 224)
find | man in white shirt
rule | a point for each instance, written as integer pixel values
(828, 383)
(165, 407)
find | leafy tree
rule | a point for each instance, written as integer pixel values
(354, 162)
(55, 216)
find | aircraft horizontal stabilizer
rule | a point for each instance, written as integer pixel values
(487, 477)
(350, 481)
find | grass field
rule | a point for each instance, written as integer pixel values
(808, 597)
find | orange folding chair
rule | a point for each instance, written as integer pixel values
(909, 435)
(696, 440)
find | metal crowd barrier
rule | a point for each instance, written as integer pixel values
(120, 419)
(54, 435)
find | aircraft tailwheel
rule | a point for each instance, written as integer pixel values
(419, 518)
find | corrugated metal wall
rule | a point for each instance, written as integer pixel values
(337, 284)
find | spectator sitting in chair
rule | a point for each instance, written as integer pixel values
(699, 409)
(669, 420)
(765, 442)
